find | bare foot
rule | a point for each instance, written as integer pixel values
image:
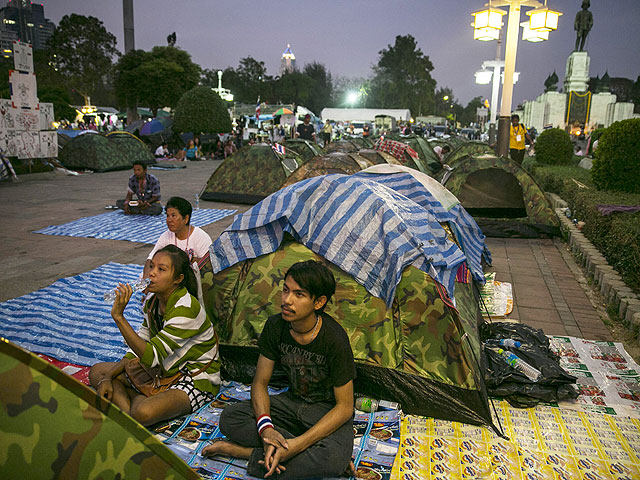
(225, 447)
(351, 470)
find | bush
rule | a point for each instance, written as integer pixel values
(595, 135)
(617, 162)
(554, 147)
(201, 110)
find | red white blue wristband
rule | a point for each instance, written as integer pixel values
(264, 422)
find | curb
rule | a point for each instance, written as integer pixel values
(610, 284)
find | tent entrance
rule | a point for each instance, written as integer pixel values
(493, 193)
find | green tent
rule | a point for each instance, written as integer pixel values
(132, 147)
(420, 352)
(251, 174)
(344, 145)
(306, 149)
(335, 162)
(429, 162)
(92, 151)
(503, 198)
(52, 426)
(377, 157)
(471, 147)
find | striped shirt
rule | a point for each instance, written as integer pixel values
(183, 338)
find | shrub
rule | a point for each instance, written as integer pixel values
(617, 162)
(201, 110)
(554, 147)
(595, 135)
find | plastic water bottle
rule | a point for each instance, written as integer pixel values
(138, 286)
(508, 342)
(197, 201)
(366, 404)
(520, 365)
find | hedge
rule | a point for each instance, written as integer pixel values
(616, 235)
(554, 147)
(617, 162)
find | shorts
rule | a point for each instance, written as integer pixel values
(197, 398)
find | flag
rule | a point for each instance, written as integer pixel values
(279, 149)
(258, 111)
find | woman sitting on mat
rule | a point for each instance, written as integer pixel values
(176, 336)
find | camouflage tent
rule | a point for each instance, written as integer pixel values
(503, 198)
(472, 147)
(93, 152)
(251, 174)
(306, 149)
(429, 162)
(403, 152)
(346, 146)
(411, 345)
(377, 157)
(52, 426)
(362, 142)
(335, 162)
(132, 147)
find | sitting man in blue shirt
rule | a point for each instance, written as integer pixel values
(146, 188)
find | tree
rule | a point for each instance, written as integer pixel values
(470, 112)
(201, 110)
(321, 87)
(155, 79)
(253, 81)
(402, 78)
(345, 85)
(82, 51)
(294, 87)
(59, 97)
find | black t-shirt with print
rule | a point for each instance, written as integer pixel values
(306, 131)
(314, 369)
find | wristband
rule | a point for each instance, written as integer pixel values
(104, 379)
(264, 422)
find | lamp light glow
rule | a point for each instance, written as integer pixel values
(543, 19)
(533, 35)
(488, 18)
(483, 77)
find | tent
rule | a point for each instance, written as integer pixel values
(471, 147)
(377, 157)
(343, 145)
(251, 174)
(132, 147)
(429, 162)
(335, 162)
(395, 267)
(52, 426)
(503, 198)
(157, 125)
(306, 149)
(403, 153)
(93, 152)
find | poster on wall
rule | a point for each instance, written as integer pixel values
(46, 116)
(24, 90)
(26, 120)
(27, 144)
(23, 57)
(6, 116)
(48, 144)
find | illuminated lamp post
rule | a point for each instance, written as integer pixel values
(541, 20)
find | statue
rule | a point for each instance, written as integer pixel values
(551, 83)
(582, 25)
(171, 39)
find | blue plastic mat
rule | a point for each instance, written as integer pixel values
(69, 319)
(134, 228)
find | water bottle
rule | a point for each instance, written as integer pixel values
(138, 286)
(366, 404)
(504, 342)
(197, 201)
(520, 365)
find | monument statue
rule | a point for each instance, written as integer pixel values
(582, 25)
(551, 83)
(171, 39)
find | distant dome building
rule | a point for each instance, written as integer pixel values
(288, 61)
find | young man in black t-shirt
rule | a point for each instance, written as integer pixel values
(306, 432)
(306, 130)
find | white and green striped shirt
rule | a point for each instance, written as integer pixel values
(183, 339)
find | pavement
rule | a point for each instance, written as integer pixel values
(549, 289)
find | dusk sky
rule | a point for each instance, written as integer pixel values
(346, 36)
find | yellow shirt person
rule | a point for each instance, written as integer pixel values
(517, 135)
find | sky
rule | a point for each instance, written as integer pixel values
(347, 35)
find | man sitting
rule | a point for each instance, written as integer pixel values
(308, 430)
(146, 188)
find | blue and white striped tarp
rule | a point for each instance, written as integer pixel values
(69, 320)
(134, 228)
(363, 227)
(466, 229)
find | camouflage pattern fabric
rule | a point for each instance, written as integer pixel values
(52, 426)
(419, 334)
(92, 151)
(346, 146)
(132, 147)
(428, 162)
(254, 170)
(472, 147)
(538, 207)
(336, 162)
(304, 148)
(377, 157)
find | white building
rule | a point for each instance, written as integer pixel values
(363, 114)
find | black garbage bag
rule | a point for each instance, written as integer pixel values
(504, 381)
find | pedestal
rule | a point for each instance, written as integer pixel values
(577, 75)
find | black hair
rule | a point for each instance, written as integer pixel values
(141, 163)
(515, 116)
(183, 206)
(181, 266)
(315, 278)
(446, 148)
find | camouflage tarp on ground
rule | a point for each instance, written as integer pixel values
(251, 174)
(132, 147)
(336, 162)
(419, 339)
(92, 151)
(52, 426)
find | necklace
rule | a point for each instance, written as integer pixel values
(311, 329)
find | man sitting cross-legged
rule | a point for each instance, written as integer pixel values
(306, 432)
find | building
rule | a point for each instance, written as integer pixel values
(24, 21)
(288, 61)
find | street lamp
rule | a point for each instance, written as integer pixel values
(352, 97)
(541, 19)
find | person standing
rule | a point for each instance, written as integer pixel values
(305, 130)
(517, 134)
(326, 133)
(146, 188)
